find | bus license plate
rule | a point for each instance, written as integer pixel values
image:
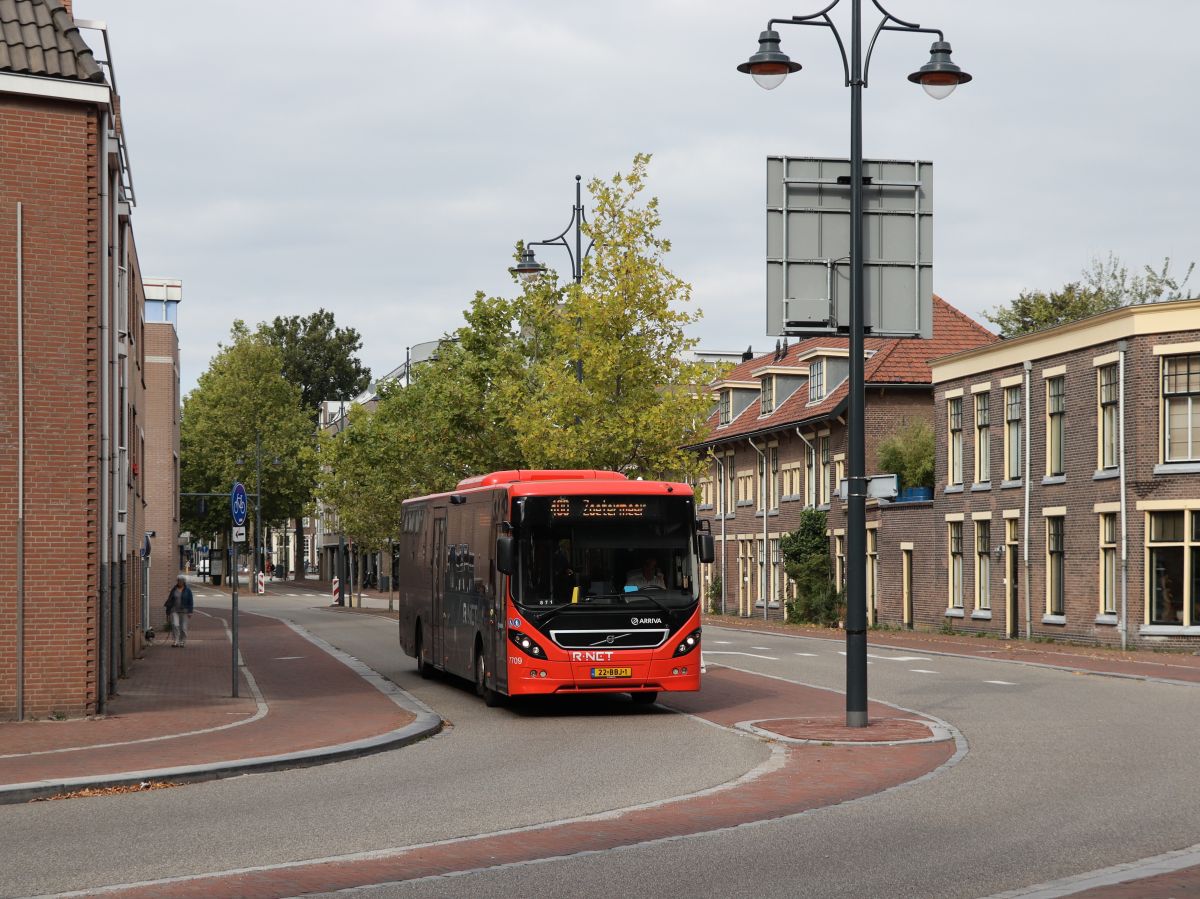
(612, 672)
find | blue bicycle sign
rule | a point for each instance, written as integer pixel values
(238, 504)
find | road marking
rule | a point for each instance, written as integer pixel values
(921, 671)
(871, 655)
(763, 648)
(720, 642)
(287, 658)
(1002, 683)
(730, 652)
(811, 655)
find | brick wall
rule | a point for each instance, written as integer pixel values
(49, 153)
(161, 464)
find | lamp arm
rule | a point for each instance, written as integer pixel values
(825, 22)
(559, 241)
(884, 26)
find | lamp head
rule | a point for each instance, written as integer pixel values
(770, 65)
(528, 269)
(940, 76)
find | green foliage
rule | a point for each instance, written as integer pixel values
(714, 595)
(501, 391)
(1106, 284)
(909, 454)
(806, 562)
(318, 357)
(353, 480)
(638, 402)
(242, 395)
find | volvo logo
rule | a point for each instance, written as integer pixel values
(611, 637)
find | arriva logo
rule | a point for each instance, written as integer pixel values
(635, 621)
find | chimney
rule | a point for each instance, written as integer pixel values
(66, 4)
(749, 354)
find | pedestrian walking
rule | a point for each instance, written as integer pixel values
(179, 610)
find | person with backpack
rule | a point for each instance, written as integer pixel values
(179, 607)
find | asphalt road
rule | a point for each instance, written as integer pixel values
(492, 769)
(1066, 773)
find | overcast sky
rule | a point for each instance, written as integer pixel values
(380, 157)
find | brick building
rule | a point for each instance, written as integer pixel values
(161, 466)
(777, 444)
(1068, 481)
(72, 363)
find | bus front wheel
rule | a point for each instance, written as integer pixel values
(644, 697)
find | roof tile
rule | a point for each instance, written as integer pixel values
(39, 37)
(893, 361)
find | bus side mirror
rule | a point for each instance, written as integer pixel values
(707, 550)
(506, 562)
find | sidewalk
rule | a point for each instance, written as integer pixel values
(176, 720)
(1166, 665)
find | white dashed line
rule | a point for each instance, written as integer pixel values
(763, 648)
(287, 658)
(1001, 683)
(921, 671)
(720, 642)
(811, 655)
(871, 655)
(729, 652)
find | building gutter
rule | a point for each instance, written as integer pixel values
(20, 463)
(721, 509)
(763, 577)
(1122, 349)
(103, 364)
(1028, 484)
(56, 88)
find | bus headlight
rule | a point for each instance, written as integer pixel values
(688, 643)
(525, 643)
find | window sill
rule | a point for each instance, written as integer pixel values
(704, 507)
(1054, 619)
(791, 499)
(823, 507)
(982, 615)
(1177, 468)
(1051, 479)
(981, 486)
(954, 613)
(1103, 474)
(952, 488)
(743, 503)
(1107, 619)
(1009, 485)
(1168, 630)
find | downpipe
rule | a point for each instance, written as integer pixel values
(1028, 563)
(763, 575)
(1122, 349)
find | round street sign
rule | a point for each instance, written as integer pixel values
(238, 504)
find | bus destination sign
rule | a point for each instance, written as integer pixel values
(597, 507)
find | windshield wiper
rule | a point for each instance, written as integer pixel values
(645, 595)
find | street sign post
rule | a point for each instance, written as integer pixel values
(238, 506)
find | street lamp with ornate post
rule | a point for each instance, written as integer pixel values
(528, 269)
(769, 67)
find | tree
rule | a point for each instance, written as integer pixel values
(318, 357)
(806, 562)
(909, 454)
(501, 391)
(1106, 284)
(240, 397)
(638, 401)
(321, 359)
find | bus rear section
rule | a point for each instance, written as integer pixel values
(591, 585)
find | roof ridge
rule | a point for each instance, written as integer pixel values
(947, 306)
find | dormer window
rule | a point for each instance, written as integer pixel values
(767, 394)
(724, 406)
(816, 380)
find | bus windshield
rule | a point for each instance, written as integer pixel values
(606, 551)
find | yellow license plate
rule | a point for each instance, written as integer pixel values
(612, 672)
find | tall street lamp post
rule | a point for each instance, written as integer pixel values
(528, 269)
(769, 67)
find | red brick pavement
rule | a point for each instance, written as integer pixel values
(1174, 885)
(313, 699)
(1181, 665)
(807, 777)
(833, 728)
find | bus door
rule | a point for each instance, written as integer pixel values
(439, 624)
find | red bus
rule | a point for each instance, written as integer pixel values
(555, 582)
